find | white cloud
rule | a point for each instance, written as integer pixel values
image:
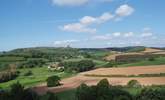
(106, 0)
(105, 17)
(78, 2)
(87, 20)
(124, 10)
(65, 42)
(147, 29)
(101, 37)
(83, 25)
(77, 27)
(101, 19)
(116, 34)
(129, 34)
(146, 34)
(70, 2)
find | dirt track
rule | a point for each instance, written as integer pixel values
(75, 81)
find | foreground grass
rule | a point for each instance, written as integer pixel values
(157, 61)
(40, 74)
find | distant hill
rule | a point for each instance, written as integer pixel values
(127, 49)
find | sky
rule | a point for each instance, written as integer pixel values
(81, 23)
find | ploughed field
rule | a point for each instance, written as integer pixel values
(128, 70)
(94, 76)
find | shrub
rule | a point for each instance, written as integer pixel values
(8, 75)
(50, 96)
(133, 83)
(18, 92)
(151, 59)
(83, 92)
(151, 94)
(85, 65)
(29, 73)
(101, 91)
(53, 81)
(79, 66)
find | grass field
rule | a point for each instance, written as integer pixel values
(157, 61)
(39, 75)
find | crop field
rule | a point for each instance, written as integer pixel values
(128, 70)
(73, 82)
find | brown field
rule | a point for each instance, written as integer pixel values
(150, 50)
(75, 81)
(133, 54)
(128, 70)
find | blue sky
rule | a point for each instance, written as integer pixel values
(81, 23)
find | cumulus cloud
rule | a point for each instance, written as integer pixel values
(146, 34)
(101, 37)
(65, 42)
(105, 17)
(77, 2)
(69, 2)
(129, 34)
(113, 35)
(124, 10)
(87, 20)
(84, 24)
(116, 34)
(77, 27)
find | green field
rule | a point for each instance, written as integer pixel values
(39, 75)
(157, 61)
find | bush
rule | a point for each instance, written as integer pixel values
(8, 75)
(85, 65)
(151, 94)
(101, 91)
(29, 73)
(133, 83)
(151, 59)
(79, 66)
(49, 96)
(53, 81)
(31, 63)
(18, 92)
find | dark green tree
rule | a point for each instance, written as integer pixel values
(53, 81)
